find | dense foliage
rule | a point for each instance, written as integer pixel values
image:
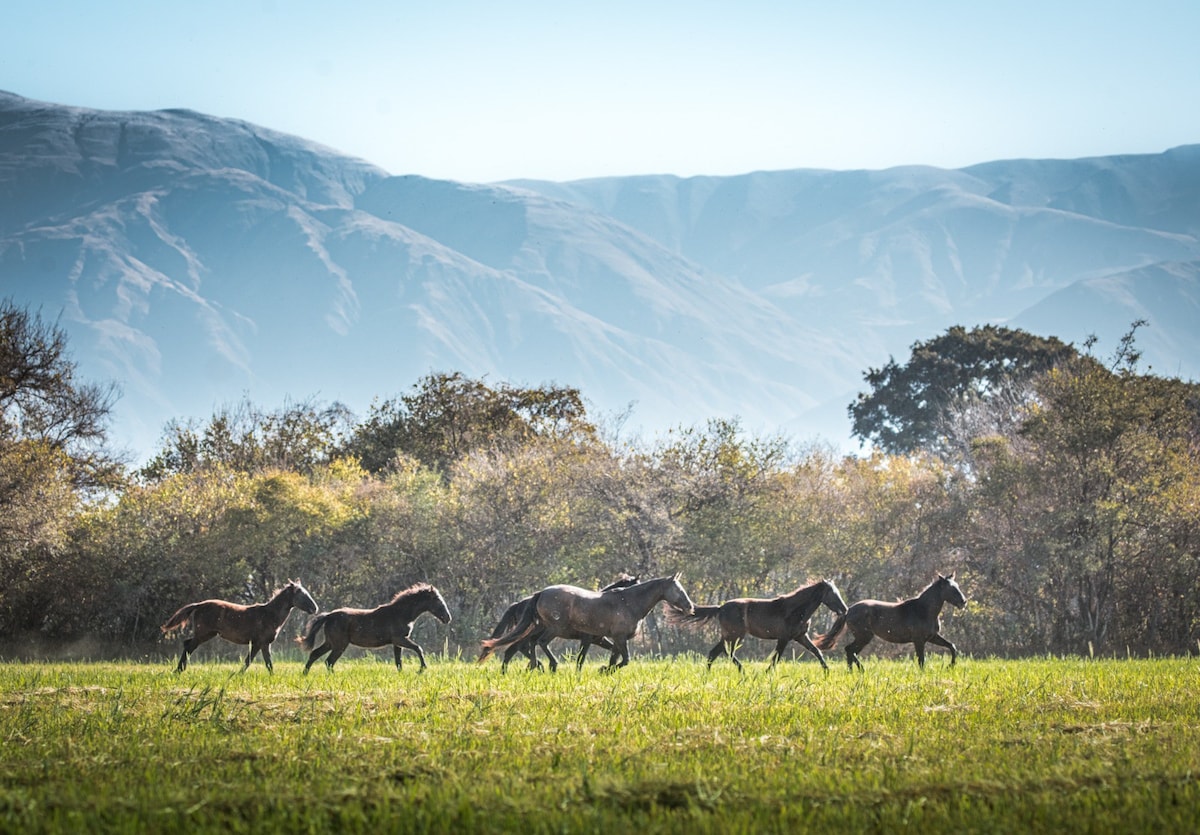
(1066, 496)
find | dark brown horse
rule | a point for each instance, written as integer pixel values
(513, 615)
(913, 621)
(782, 619)
(256, 625)
(569, 610)
(388, 625)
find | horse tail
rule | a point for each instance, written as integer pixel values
(309, 638)
(829, 640)
(698, 615)
(179, 619)
(512, 616)
(524, 627)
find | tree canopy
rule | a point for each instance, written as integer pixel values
(907, 406)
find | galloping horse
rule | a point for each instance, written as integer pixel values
(784, 619)
(256, 625)
(389, 624)
(913, 621)
(514, 613)
(567, 610)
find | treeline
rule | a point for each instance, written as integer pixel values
(1065, 491)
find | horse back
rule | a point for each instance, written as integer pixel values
(757, 617)
(565, 608)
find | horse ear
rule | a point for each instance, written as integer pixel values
(951, 577)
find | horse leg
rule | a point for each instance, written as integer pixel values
(584, 646)
(254, 648)
(861, 639)
(620, 650)
(942, 642)
(780, 646)
(266, 654)
(544, 643)
(509, 652)
(528, 647)
(919, 646)
(409, 643)
(317, 653)
(733, 648)
(334, 654)
(716, 652)
(807, 643)
(189, 646)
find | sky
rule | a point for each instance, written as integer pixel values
(563, 90)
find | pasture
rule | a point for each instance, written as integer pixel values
(662, 745)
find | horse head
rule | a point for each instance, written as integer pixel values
(438, 607)
(301, 599)
(832, 598)
(951, 593)
(677, 597)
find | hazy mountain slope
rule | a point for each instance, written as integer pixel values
(193, 266)
(906, 251)
(198, 260)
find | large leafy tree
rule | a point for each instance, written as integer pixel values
(447, 415)
(52, 456)
(297, 437)
(43, 402)
(908, 406)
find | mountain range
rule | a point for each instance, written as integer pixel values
(197, 260)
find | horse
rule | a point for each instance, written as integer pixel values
(913, 621)
(567, 610)
(388, 624)
(257, 625)
(784, 618)
(529, 646)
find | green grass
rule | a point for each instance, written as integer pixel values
(661, 746)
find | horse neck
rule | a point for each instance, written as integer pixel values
(647, 593)
(931, 599)
(805, 600)
(281, 602)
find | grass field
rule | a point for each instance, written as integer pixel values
(661, 746)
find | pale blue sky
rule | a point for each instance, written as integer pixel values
(484, 91)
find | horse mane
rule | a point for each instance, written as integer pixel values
(290, 584)
(414, 589)
(809, 587)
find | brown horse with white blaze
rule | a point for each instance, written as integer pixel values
(390, 624)
(783, 619)
(915, 621)
(257, 625)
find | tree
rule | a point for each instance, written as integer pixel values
(52, 456)
(908, 404)
(448, 415)
(42, 401)
(298, 437)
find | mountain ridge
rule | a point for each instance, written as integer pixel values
(197, 260)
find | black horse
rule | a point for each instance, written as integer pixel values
(913, 621)
(784, 619)
(388, 625)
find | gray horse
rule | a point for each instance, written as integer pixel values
(570, 610)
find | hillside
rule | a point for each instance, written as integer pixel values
(197, 260)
